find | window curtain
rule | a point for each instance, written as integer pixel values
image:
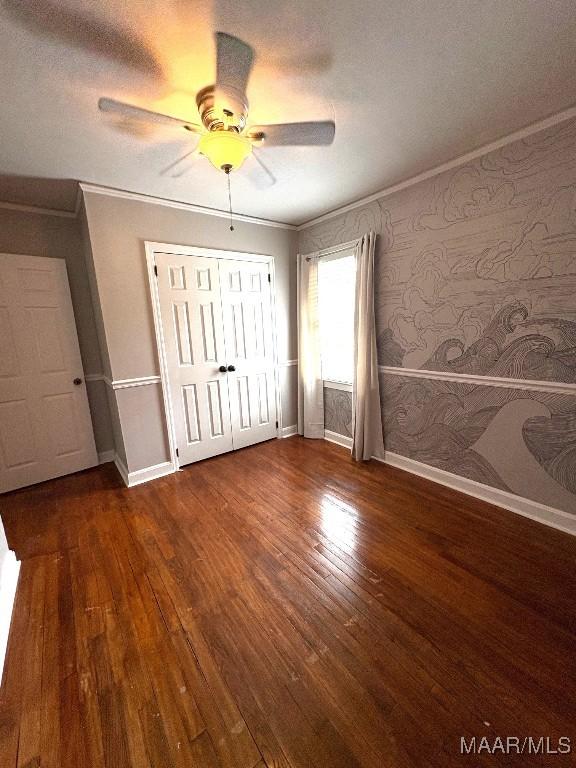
(310, 387)
(367, 437)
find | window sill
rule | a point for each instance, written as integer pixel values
(342, 385)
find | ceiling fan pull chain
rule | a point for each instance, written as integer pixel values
(227, 172)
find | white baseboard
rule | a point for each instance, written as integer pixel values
(556, 518)
(8, 583)
(143, 475)
(288, 431)
(335, 437)
(105, 456)
(150, 473)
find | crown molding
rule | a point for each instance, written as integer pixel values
(190, 207)
(37, 210)
(522, 133)
(78, 203)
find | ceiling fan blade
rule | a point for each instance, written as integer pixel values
(234, 60)
(130, 112)
(84, 30)
(294, 134)
(259, 173)
(181, 165)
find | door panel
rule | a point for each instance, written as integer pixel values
(61, 414)
(45, 424)
(8, 355)
(247, 311)
(16, 436)
(216, 408)
(191, 312)
(47, 324)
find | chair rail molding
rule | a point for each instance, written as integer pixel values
(139, 381)
(531, 385)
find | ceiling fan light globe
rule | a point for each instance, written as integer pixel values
(225, 149)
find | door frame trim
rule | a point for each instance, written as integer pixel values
(152, 249)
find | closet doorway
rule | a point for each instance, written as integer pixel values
(214, 314)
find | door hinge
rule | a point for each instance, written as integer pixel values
(269, 278)
(276, 425)
(177, 453)
(155, 270)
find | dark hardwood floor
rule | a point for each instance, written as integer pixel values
(282, 606)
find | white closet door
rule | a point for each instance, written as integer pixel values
(45, 425)
(191, 311)
(247, 309)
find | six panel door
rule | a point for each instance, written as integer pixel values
(216, 313)
(45, 425)
(247, 310)
(191, 311)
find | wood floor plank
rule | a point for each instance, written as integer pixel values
(233, 742)
(86, 608)
(29, 744)
(281, 607)
(52, 659)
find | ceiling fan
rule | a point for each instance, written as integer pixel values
(226, 139)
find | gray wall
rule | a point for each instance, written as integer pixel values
(118, 229)
(476, 275)
(36, 234)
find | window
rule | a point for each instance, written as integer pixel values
(336, 287)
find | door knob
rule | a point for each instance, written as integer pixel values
(231, 368)
(222, 369)
(77, 382)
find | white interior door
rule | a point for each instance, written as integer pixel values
(191, 312)
(45, 425)
(247, 310)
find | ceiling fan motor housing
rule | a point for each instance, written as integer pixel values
(226, 109)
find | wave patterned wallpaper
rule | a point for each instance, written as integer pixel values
(476, 276)
(338, 411)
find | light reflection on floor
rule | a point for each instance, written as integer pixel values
(339, 521)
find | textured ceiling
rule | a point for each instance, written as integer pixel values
(411, 84)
